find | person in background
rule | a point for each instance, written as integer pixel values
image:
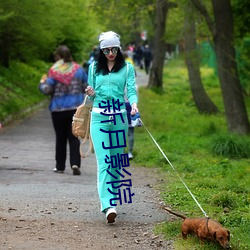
(138, 52)
(108, 78)
(92, 57)
(147, 54)
(93, 54)
(65, 83)
(128, 58)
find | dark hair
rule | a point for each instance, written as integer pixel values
(102, 67)
(64, 53)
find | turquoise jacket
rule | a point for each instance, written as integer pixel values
(113, 85)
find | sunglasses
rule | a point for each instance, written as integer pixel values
(106, 51)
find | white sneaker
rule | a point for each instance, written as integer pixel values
(111, 214)
(130, 155)
(58, 171)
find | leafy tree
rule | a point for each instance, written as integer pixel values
(78, 29)
(22, 35)
(127, 17)
(28, 33)
(242, 33)
(241, 18)
(175, 24)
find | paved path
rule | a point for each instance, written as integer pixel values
(29, 189)
(26, 163)
(141, 78)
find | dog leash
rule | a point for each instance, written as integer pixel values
(174, 169)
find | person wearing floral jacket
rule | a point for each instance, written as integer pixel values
(65, 83)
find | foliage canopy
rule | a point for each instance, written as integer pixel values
(28, 33)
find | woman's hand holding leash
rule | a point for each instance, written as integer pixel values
(134, 109)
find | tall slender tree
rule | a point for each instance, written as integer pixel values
(223, 37)
(202, 101)
(156, 72)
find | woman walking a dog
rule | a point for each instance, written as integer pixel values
(108, 78)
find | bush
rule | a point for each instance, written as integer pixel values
(231, 146)
(19, 88)
(223, 200)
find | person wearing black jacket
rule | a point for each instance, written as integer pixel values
(147, 54)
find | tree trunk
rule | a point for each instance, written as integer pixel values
(201, 99)
(235, 109)
(159, 47)
(223, 38)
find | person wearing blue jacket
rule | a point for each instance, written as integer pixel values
(65, 83)
(108, 78)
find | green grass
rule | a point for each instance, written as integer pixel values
(214, 164)
(19, 88)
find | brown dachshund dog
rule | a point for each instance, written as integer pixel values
(204, 229)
